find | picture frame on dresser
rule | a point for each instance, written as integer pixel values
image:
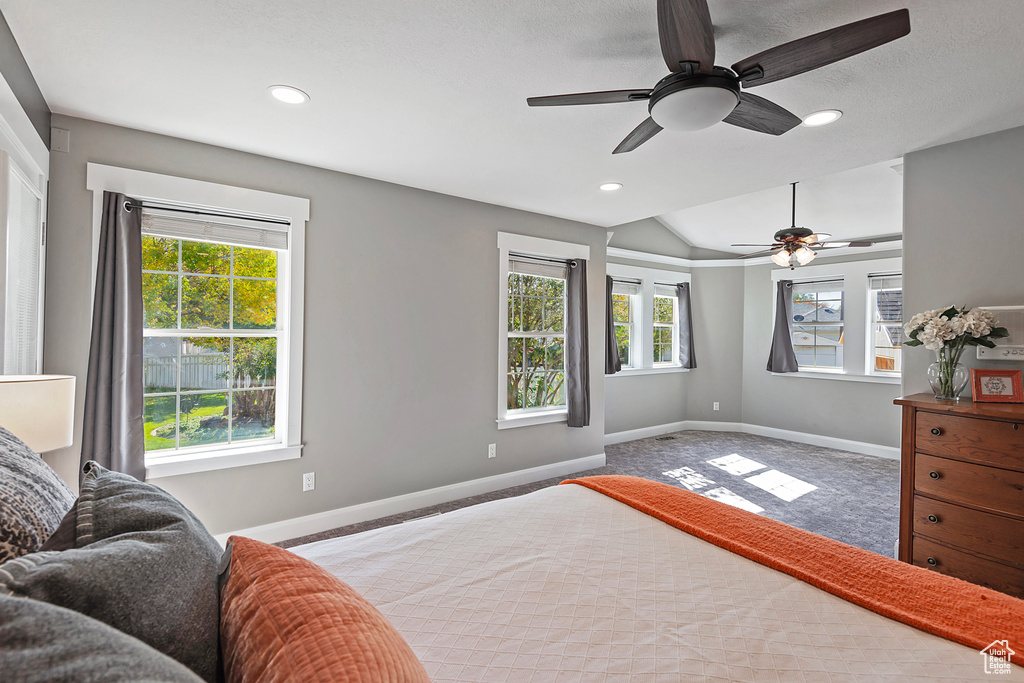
(996, 386)
(962, 490)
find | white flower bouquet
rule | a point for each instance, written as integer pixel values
(947, 332)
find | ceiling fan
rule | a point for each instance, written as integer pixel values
(698, 94)
(798, 244)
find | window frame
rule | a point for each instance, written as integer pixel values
(871, 322)
(841, 324)
(155, 187)
(633, 301)
(509, 243)
(649, 279)
(855, 276)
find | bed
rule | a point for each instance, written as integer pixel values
(570, 584)
(598, 579)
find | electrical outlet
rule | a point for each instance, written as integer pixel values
(714, 406)
(492, 450)
(309, 481)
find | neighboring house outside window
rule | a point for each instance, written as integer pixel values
(818, 323)
(886, 330)
(624, 313)
(846, 319)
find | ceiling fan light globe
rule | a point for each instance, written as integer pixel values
(781, 257)
(694, 108)
(804, 255)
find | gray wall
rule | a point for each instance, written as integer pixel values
(968, 190)
(400, 334)
(859, 411)
(717, 296)
(650, 236)
(17, 74)
(640, 401)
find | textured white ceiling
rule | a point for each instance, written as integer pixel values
(432, 94)
(863, 202)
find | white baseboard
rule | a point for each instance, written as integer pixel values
(353, 514)
(862, 447)
(645, 433)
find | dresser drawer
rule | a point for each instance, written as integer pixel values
(935, 556)
(979, 532)
(985, 487)
(989, 442)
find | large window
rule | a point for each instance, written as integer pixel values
(886, 322)
(210, 343)
(223, 305)
(666, 332)
(625, 295)
(818, 323)
(645, 311)
(536, 333)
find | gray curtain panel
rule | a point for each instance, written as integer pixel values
(612, 362)
(687, 356)
(113, 430)
(577, 345)
(782, 357)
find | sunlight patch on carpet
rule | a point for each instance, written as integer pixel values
(781, 485)
(736, 464)
(689, 478)
(724, 495)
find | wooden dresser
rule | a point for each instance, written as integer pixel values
(962, 490)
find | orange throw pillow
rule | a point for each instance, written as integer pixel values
(283, 618)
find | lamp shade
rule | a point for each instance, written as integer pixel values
(39, 409)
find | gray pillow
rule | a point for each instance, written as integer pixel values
(141, 563)
(41, 643)
(32, 498)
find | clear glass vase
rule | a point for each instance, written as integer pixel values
(948, 377)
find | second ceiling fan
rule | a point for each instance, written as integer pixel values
(697, 94)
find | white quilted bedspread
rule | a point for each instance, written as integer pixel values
(566, 584)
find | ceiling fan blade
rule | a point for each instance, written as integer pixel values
(641, 134)
(773, 246)
(604, 97)
(842, 245)
(757, 113)
(815, 237)
(823, 48)
(760, 253)
(684, 27)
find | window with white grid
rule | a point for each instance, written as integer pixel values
(886, 323)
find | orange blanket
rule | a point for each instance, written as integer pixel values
(948, 607)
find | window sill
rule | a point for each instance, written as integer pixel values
(626, 372)
(842, 376)
(530, 419)
(206, 461)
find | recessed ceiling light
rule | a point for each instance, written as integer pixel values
(611, 187)
(288, 94)
(822, 118)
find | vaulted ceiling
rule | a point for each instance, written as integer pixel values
(432, 94)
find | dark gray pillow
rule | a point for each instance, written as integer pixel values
(141, 563)
(41, 643)
(32, 498)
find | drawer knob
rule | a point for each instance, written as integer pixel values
(932, 561)
(933, 519)
(933, 475)
(936, 431)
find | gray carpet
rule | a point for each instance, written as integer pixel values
(856, 500)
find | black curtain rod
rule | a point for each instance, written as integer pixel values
(137, 205)
(531, 257)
